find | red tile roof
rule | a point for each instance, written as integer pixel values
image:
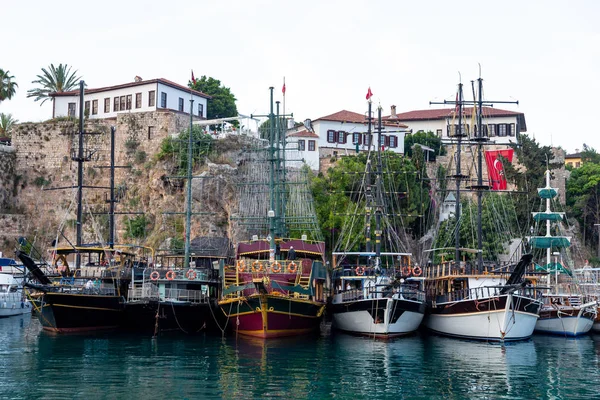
(133, 84)
(352, 117)
(443, 113)
(303, 133)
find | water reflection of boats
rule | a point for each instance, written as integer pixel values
(478, 369)
(12, 297)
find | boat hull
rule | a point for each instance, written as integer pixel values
(381, 318)
(565, 322)
(154, 317)
(78, 313)
(501, 318)
(270, 316)
(12, 304)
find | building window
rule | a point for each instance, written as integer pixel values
(86, 109)
(71, 112)
(129, 99)
(107, 105)
(453, 130)
(122, 106)
(151, 98)
(384, 140)
(330, 136)
(301, 145)
(341, 137)
(311, 145)
(94, 107)
(502, 129)
(163, 100)
(577, 164)
(181, 104)
(367, 139)
(439, 133)
(116, 105)
(393, 141)
(200, 110)
(511, 130)
(492, 129)
(356, 138)
(138, 100)
(150, 132)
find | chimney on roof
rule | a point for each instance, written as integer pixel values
(393, 114)
(137, 78)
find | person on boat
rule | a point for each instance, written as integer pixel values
(292, 253)
(89, 286)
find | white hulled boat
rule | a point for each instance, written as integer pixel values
(566, 310)
(473, 299)
(12, 297)
(374, 295)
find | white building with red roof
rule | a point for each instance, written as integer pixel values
(500, 126)
(339, 133)
(138, 96)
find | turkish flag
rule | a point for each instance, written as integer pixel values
(369, 93)
(496, 169)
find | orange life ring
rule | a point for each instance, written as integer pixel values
(191, 274)
(255, 268)
(241, 265)
(170, 275)
(406, 270)
(154, 275)
(417, 271)
(292, 268)
(360, 271)
(276, 267)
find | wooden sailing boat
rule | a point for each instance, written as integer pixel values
(566, 311)
(95, 277)
(275, 287)
(476, 301)
(373, 296)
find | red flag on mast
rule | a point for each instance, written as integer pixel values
(496, 169)
(369, 93)
(193, 79)
(283, 88)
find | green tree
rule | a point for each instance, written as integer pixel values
(7, 86)
(6, 124)
(222, 104)
(54, 80)
(583, 197)
(176, 149)
(428, 139)
(496, 231)
(337, 194)
(589, 154)
(536, 160)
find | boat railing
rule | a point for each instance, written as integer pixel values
(192, 296)
(450, 268)
(383, 291)
(483, 293)
(264, 266)
(146, 291)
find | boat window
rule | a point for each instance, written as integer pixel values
(13, 289)
(3, 288)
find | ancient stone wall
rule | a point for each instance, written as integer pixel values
(43, 160)
(7, 175)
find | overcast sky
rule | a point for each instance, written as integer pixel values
(543, 53)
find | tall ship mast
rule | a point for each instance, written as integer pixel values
(470, 299)
(276, 287)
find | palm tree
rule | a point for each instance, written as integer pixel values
(6, 124)
(7, 86)
(54, 80)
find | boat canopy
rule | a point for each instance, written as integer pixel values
(547, 193)
(300, 247)
(547, 242)
(553, 267)
(548, 216)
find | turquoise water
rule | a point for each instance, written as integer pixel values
(36, 365)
